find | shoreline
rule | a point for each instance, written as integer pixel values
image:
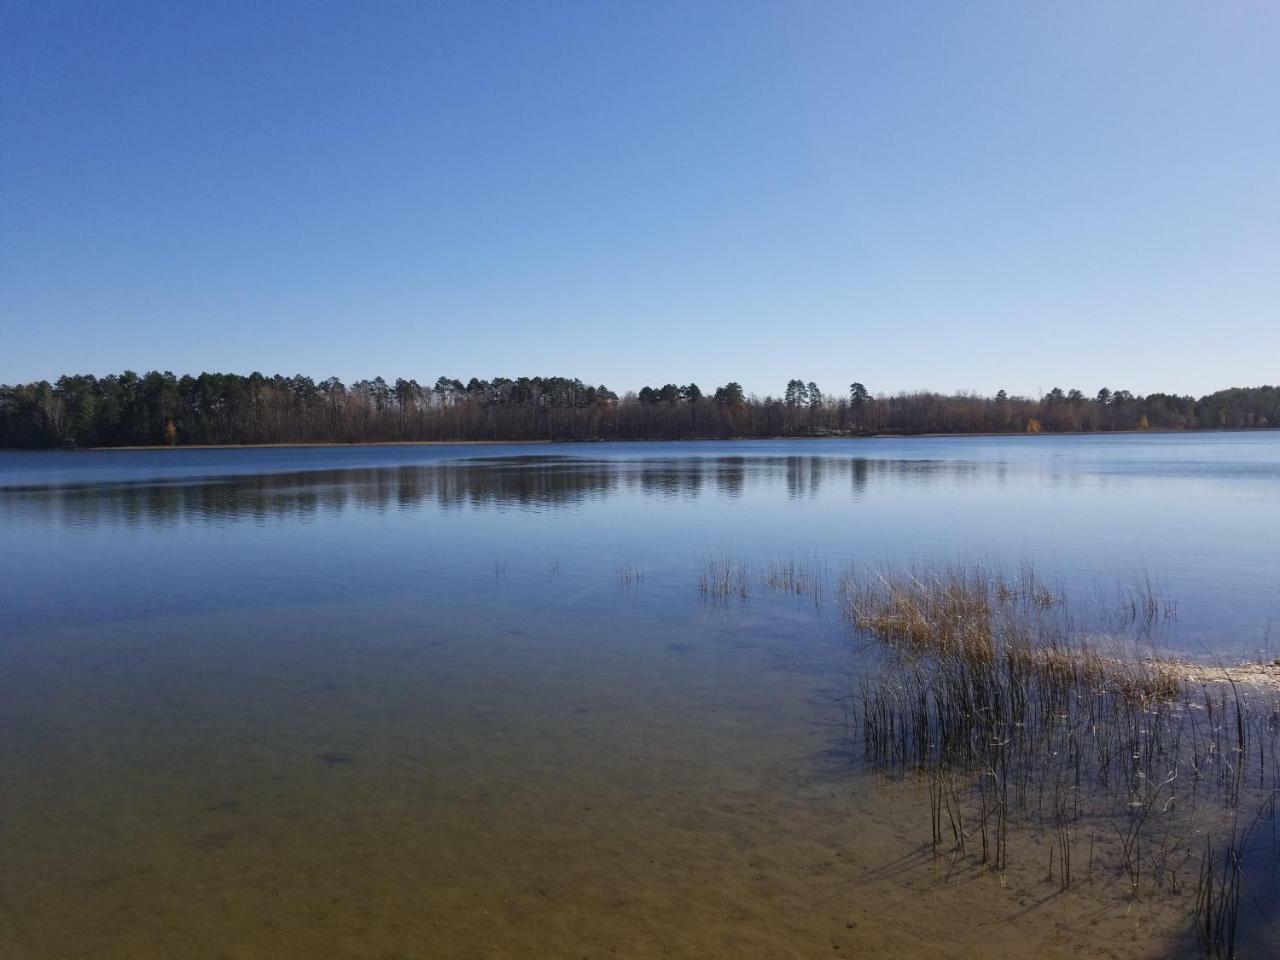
(1253, 673)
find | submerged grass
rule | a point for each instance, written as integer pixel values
(1020, 719)
(722, 579)
(797, 577)
(630, 573)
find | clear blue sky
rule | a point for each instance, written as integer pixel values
(950, 196)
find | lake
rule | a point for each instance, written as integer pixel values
(468, 700)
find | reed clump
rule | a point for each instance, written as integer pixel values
(797, 577)
(722, 579)
(629, 574)
(1024, 721)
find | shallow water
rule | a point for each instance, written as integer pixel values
(466, 701)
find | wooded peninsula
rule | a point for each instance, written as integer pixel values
(162, 409)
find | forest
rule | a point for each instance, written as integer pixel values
(161, 409)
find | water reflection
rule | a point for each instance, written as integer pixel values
(519, 482)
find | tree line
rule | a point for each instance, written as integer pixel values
(221, 408)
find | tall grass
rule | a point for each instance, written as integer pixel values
(1022, 720)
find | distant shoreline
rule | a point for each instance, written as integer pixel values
(161, 410)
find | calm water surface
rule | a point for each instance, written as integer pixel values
(467, 701)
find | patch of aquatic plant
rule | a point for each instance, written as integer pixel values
(1143, 606)
(1020, 719)
(722, 578)
(801, 578)
(630, 573)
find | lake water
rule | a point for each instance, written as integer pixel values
(467, 701)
